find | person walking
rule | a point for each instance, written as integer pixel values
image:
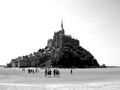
(45, 72)
(71, 71)
(54, 72)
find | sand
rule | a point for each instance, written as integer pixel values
(81, 79)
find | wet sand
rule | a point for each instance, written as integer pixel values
(85, 79)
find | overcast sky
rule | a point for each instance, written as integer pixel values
(26, 25)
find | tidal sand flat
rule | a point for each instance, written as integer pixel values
(80, 79)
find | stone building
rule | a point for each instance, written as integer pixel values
(20, 62)
(60, 39)
(50, 43)
(24, 63)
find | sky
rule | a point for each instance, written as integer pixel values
(26, 25)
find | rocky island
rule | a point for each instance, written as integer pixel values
(62, 51)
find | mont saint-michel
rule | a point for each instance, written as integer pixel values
(61, 51)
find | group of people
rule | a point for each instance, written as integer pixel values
(32, 71)
(48, 72)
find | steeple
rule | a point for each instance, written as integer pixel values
(62, 27)
(62, 24)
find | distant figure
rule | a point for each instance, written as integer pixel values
(45, 72)
(71, 71)
(54, 72)
(49, 72)
(28, 71)
(36, 70)
(58, 72)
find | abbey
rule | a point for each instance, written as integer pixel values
(60, 39)
(61, 51)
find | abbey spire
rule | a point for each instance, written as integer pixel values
(62, 24)
(63, 31)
